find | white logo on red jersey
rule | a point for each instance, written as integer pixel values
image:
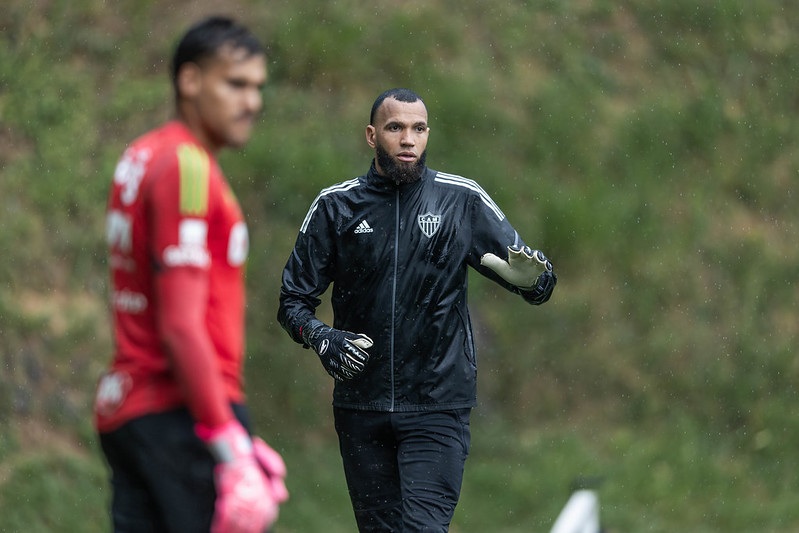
(129, 173)
(119, 231)
(111, 392)
(192, 248)
(238, 245)
(127, 301)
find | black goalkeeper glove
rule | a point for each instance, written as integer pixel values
(542, 289)
(343, 354)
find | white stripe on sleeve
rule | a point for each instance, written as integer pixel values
(343, 186)
(452, 179)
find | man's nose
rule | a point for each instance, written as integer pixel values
(254, 100)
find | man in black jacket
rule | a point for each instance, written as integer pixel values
(396, 243)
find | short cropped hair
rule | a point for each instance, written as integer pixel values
(205, 38)
(403, 95)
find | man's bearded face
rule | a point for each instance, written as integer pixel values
(400, 171)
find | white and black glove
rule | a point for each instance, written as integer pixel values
(530, 270)
(343, 354)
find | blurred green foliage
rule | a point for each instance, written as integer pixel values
(648, 147)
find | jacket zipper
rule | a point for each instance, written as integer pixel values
(394, 293)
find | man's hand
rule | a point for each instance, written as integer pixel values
(245, 499)
(343, 354)
(523, 267)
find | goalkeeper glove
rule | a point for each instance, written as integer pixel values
(522, 268)
(245, 501)
(343, 354)
(274, 467)
(542, 290)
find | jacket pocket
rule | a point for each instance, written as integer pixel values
(468, 339)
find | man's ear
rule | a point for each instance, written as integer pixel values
(370, 135)
(189, 80)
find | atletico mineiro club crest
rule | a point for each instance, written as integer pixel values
(429, 223)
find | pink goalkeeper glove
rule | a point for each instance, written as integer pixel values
(245, 502)
(274, 467)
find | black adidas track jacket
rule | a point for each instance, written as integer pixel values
(397, 256)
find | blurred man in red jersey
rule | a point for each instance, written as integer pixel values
(171, 409)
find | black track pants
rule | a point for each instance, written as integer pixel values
(403, 470)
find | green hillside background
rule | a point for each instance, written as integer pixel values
(649, 147)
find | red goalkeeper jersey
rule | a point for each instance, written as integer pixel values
(170, 209)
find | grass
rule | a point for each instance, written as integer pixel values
(517, 479)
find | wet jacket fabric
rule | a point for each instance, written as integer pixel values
(397, 257)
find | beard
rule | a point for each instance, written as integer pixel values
(398, 171)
